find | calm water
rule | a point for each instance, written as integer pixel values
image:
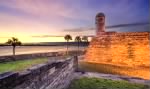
(7, 50)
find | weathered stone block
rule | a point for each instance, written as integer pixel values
(54, 75)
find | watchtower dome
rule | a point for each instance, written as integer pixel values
(100, 22)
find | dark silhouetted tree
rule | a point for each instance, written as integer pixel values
(78, 40)
(67, 38)
(85, 38)
(13, 42)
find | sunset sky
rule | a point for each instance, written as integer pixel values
(48, 20)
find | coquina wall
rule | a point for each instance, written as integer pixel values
(128, 48)
(55, 75)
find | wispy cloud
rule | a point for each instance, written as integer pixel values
(40, 8)
(82, 29)
(45, 36)
(127, 26)
(50, 17)
(35, 17)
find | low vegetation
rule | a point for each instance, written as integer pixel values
(141, 72)
(67, 38)
(14, 42)
(97, 83)
(21, 64)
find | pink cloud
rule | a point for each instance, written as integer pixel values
(41, 8)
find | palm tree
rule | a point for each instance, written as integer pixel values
(78, 39)
(67, 38)
(85, 38)
(13, 42)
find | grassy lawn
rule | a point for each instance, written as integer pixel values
(20, 65)
(141, 72)
(97, 83)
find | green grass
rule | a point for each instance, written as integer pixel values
(141, 72)
(20, 65)
(97, 83)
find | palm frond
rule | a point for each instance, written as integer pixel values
(68, 37)
(13, 41)
(78, 39)
(9, 42)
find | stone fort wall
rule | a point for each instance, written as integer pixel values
(54, 75)
(126, 48)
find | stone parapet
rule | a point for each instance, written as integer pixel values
(54, 75)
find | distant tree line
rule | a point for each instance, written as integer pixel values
(77, 39)
(15, 42)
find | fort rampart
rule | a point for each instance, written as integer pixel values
(53, 75)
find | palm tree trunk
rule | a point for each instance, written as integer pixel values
(67, 47)
(14, 50)
(78, 47)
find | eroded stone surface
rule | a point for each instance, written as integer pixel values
(129, 49)
(53, 75)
